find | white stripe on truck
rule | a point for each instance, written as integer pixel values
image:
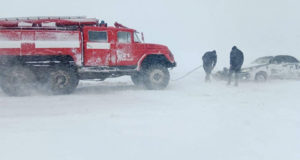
(10, 44)
(57, 44)
(95, 45)
(40, 44)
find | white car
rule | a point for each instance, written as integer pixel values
(278, 67)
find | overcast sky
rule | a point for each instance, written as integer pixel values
(188, 27)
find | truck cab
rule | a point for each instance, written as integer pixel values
(117, 51)
(113, 47)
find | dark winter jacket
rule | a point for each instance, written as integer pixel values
(209, 59)
(236, 59)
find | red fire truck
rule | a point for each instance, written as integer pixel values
(56, 52)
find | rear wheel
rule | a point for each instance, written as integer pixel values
(62, 80)
(18, 81)
(156, 77)
(261, 77)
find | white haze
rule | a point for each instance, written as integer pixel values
(190, 27)
(189, 120)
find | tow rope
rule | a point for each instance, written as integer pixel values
(187, 74)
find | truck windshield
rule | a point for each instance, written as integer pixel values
(137, 38)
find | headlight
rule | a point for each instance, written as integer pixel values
(246, 69)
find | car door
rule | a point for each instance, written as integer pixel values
(97, 50)
(292, 71)
(297, 70)
(284, 67)
(276, 67)
(291, 65)
(125, 56)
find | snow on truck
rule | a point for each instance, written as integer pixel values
(57, 52)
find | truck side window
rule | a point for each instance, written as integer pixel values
(124, 37)
(96, 36)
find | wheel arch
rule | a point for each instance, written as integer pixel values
(266, 75)
(260, 70)
(149, 59)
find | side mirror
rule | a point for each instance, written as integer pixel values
(143, 39)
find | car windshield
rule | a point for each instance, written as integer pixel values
(137, 38)
(262, 60)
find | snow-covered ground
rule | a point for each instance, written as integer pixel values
(189, 120)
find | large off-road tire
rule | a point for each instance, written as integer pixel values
(18, 81)
(156, 77)
(137, 79)
(62, 80)
(261, 77)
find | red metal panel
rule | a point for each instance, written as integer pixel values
(59, 43)
(35, 42)
(10, 42)
(27, 42)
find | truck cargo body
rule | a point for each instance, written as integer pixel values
(41, 43)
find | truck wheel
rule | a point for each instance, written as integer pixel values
(137, 79)
(261, 76)
(18, 81)
(62, 81)
(156, 77)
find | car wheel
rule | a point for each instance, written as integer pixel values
(261, 76)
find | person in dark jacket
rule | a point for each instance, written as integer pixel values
(209, 62)
(236, 62)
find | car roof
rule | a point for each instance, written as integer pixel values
(265, 57)
(112, 28)
(285, 57)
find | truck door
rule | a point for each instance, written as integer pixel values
(125, 55)
(97, 47)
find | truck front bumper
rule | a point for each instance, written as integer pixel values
(172, 65)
